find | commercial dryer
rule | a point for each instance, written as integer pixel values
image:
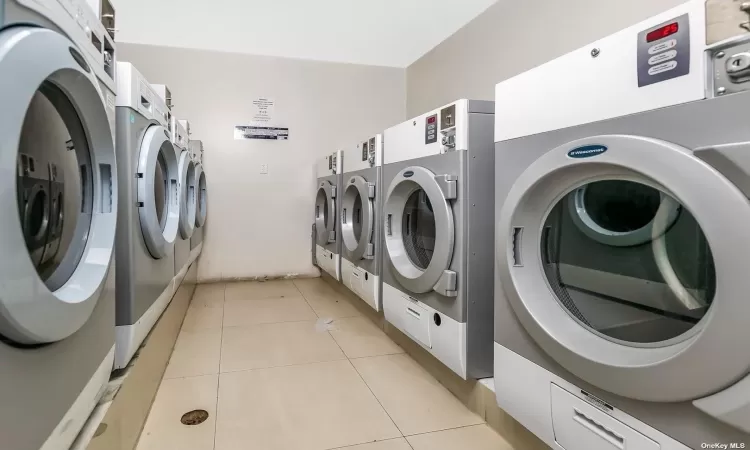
(360, 220)
(201, 199)
(327, 212)
(438, 180)
(622, 190)
(149, 212)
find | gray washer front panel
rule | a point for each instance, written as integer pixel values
(371, 175)
(473, 254)
(43, 382)
(140, 278)
(335, 180)
(693, 125)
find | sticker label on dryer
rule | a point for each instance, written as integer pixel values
(587, 151)
(597, 402)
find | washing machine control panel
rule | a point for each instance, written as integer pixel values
(430, 132)
(663, 51)
(368, 151)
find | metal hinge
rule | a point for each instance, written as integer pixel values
(370, 190)
(333, 191)
(449, 185)
(331, 237)
(447, 283)
(369, 252)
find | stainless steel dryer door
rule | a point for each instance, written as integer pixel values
(186, 169)
(158, 191)
(623, 257)
(60, 210)
(419, 230)
(201, 201)
(357, 216)
(325, 213)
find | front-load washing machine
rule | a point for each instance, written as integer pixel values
(622, 188)
(327, 212)
(201, 200)
(187, 200)
(149, 213)
(360, 220)
(59, 202)
(438, 177)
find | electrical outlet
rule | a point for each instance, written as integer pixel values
(264, 169)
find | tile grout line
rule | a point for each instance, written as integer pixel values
(218, 376)
(448, 429)
(369, 389)
(306, 300)
(376, 398)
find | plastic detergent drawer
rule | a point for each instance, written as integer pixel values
(580, 426)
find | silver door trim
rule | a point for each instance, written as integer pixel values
(357, 186)
(201, 201)
(680, 369)
(188, 195)
(326, 232)
(159, 241)
(411, 277)
(29, 312)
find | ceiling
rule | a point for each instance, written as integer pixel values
(383, 32)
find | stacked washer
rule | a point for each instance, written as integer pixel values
(57, 298)
(201, 199)
(149, 213)
(438, 172)
(360, 220)
(327, 212)
(621, 317)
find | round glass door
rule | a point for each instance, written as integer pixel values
(357, 218)
(187, 195)
(202, 199)
(158, 191)
(59, 230)
(325, 213)
(641, 288)
(419, 229)
(654, 290)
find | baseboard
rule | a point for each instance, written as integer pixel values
(122, 424)
(475, 394)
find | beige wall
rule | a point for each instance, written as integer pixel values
(511, 37)
(259, 225)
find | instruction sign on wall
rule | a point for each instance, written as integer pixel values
(242, 132)
(262, 123)
(263, 109)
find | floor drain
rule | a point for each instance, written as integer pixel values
(195, 417)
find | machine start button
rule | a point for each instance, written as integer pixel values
(663, 46)
(662, 68)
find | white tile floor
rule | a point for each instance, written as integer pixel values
(293, 365)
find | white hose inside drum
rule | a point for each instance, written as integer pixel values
(658, 233)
